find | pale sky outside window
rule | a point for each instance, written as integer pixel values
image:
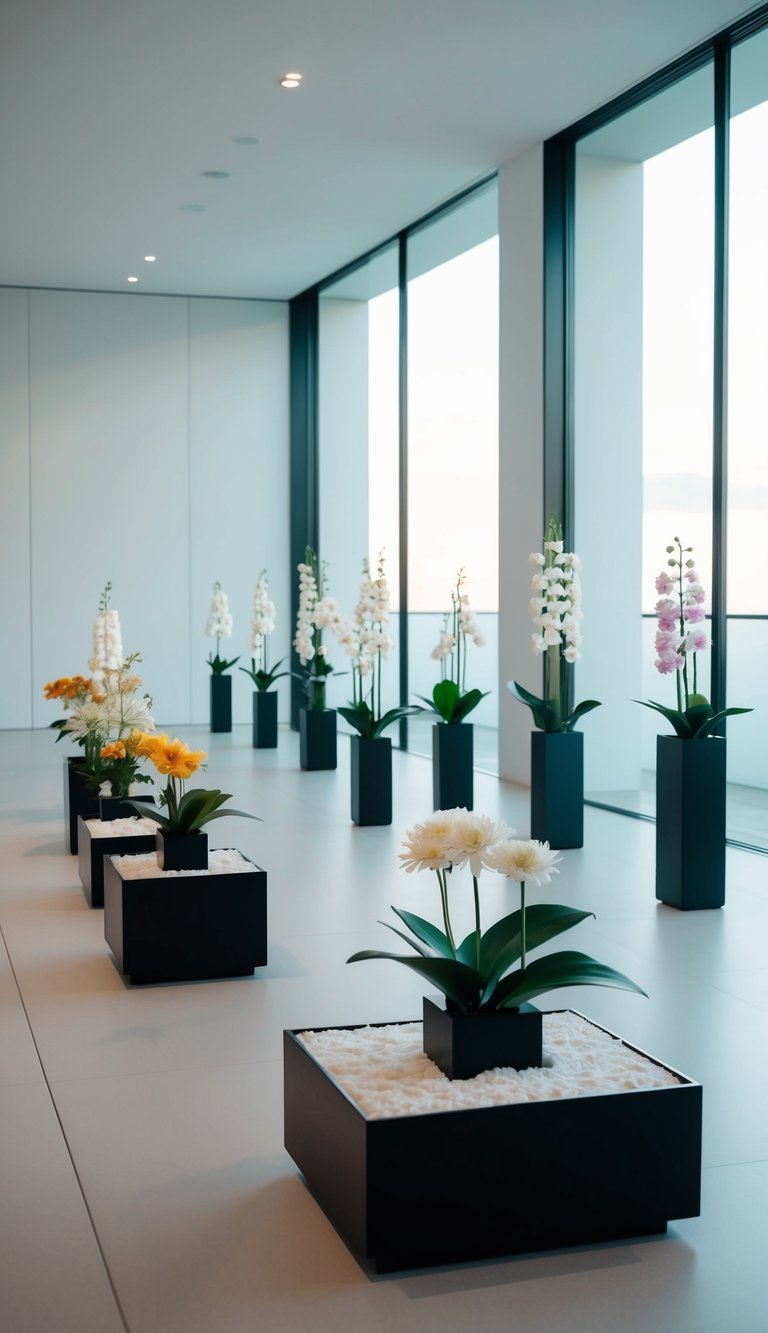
(453, 428)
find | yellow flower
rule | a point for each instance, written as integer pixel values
(146, 743)
(114, 750)
(174, 757)
(133, 743)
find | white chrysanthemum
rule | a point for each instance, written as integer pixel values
(219, 624)
(472, 838)
(522, 860)
(426, 846)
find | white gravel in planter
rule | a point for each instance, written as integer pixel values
(120, 828)
(386, 1073)
(224, 861)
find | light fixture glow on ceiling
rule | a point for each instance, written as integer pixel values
(292, 80)
(150, 259)
(132, 279)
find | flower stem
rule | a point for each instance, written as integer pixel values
(522, 926)
(446, 918)
(477, 921)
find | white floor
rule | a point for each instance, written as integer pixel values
(143, 1181)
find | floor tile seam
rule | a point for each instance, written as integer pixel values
(56, 1082)
(81, 1190)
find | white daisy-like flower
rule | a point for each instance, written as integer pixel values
(523, 860)
(472, 837)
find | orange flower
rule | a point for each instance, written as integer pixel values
(174, 757)
(114, 750)
(55, 689)
(135, 742)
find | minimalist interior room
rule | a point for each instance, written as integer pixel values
(383, 750)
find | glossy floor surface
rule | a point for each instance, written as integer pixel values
(143, 1181)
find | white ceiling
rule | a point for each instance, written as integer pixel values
(110, 110)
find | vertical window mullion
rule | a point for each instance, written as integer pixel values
(403, 489)
(722, 79)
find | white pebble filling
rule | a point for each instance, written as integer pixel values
(120, 828)
(225, 861)
(386, 1073)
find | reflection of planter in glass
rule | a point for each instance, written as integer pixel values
(557, 788)
(186, 927)
(371, 780)
(78, 800)
(264, 719)
(221, 702)
(93, 848)
(452, 765)
(690, 822)
(463, 1045)
(181, 851)
(317, 738)
(581, 1170)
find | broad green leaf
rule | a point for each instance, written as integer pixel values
(446, 696)
(553, 973)
(460, 983)
(466, 950)
(579, 711)
(543, 713)
(151, 812)
(402, 935)
(709, 726)
(673, 715)
(394, 715)
(500, 945)
(425, 931)
(361, 718)
(225, 814)
(467, 702)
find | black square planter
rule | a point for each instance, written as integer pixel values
(557, 788)
(78, 800)
(120, 807)
(317, 738)
(92, 851)
(452, 765)
(221, 702)
(186, 927)
(371, 771)
(452, 1186)
(463, 1045)
(264, 719)
(690, 822)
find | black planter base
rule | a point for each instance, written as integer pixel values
(91, 853)
(265, 719)
(317, 738)
(452, 1186)
(78, 800)
(452, 765)
(557, 788)
(371, 770)
(221, 702)
(186, 851)
(120, 807)
(186, 927)
(690, 822)
(463, 1045)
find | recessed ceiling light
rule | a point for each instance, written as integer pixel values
(191, 208)
(150, 259)
(217, 175)
(292, 80)
(246, 139)
(132, 280)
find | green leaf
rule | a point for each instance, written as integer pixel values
(709, 726)
(679, 720)
(394, 715)
(445, 697)
(554, 972)
(361, 718)
(425, 931)
(579, 712)
(466, 952)
(402, 935)
(467, 702)
(151, 812)
(458, 982)
(501, 943)
(544, 715)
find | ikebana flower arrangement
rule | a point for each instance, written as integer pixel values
(317, 611)
(218, 627)
(107, 652)
(73, 691)
(555, 608)
(450, 697)
(102, 714)
(680, 635)
(478, 975)
(369, 644)
(262, 625)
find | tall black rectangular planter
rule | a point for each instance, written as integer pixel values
(92, 851)
(221, 702)
(557, 788)
(186, 927)
(264, 719)
(317, 738)
(371, 780)
(78, 800)
(690, 822)
(453, 1186)
(452, 765)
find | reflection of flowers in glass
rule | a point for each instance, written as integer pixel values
(107, 652)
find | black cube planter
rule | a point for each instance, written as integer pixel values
(452, 765)
(186, 927)
(690, 822)
(317, 738)
(452, 1186)
(92, 851)
(463, 1045)
(371, 770)
(264, 719)
(221, 702)
(121, 807)
(181, 851)
(78, 800)
(557, 788)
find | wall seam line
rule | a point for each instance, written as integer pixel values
(29, 511)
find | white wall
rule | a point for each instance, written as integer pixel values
(521, 332)
(142, 440)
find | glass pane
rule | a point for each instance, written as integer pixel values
(747, 456)
(453, 451)
(643, 337)
(359, 445)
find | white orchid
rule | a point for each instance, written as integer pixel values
(107, 638)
